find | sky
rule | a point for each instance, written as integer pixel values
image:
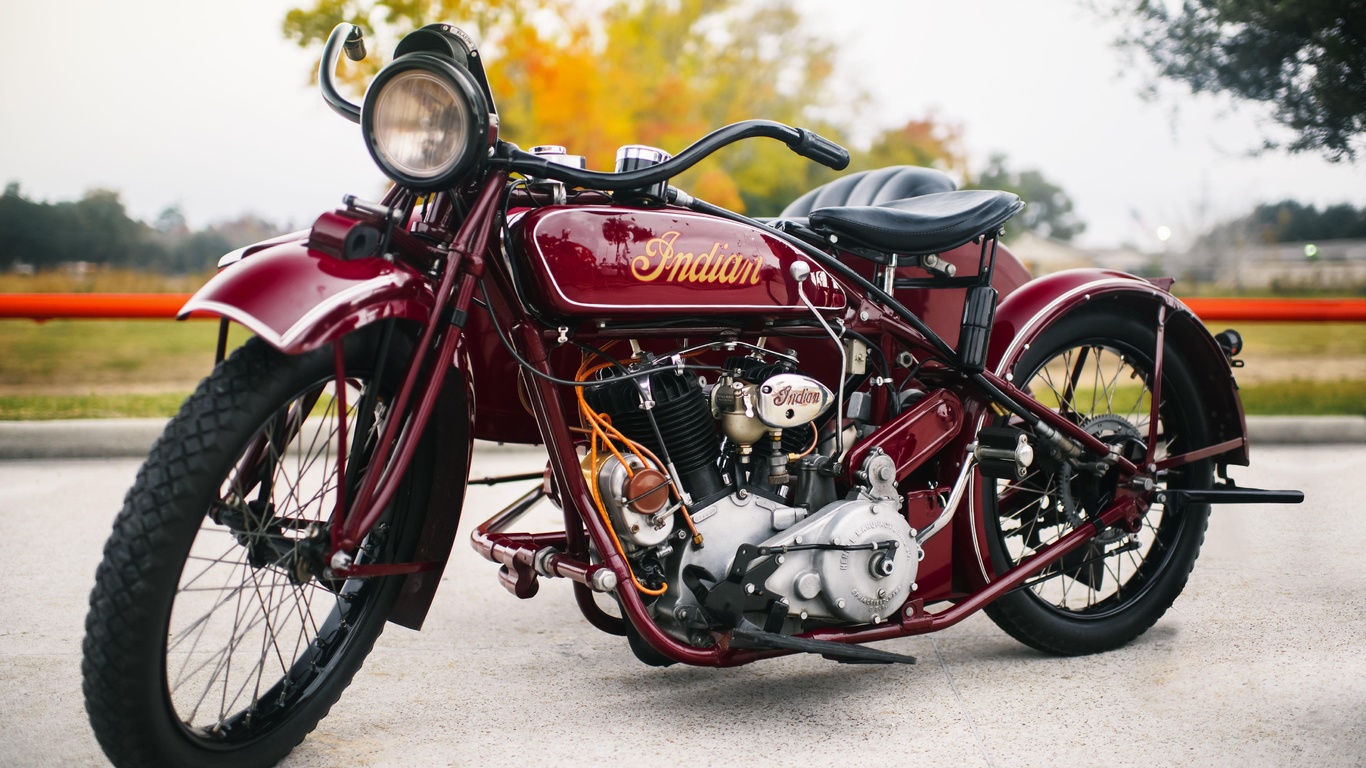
(207, 107)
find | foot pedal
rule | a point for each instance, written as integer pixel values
(841, 652)
(1228, 494)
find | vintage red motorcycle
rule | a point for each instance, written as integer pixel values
(857, 422)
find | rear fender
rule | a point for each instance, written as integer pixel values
(298, 299)
(1025, 314)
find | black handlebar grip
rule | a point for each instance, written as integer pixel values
(355, 44)
(822, 150)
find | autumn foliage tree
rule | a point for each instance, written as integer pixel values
(596, 76)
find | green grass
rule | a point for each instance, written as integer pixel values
(1327, 340)
(65, 369)
(106, 357)
(101, 281)
(1286, 397)
(48, 407)
(74, 369)
(1297, 397)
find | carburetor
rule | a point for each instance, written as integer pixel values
(751, 407)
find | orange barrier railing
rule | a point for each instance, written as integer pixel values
(1279, 310)
(111, 306)
(93, 306)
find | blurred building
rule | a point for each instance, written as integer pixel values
(1242, 265)
(1043, 255)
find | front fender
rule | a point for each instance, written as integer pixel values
(451, 435)
(298, 299)
(1026, 313)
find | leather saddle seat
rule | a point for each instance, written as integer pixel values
(883, 185)
(919, 225)
(903, 210)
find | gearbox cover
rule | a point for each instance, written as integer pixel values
(844, 585)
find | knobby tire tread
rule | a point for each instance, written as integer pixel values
(148, 538)
(139, 543)
(1043, 636)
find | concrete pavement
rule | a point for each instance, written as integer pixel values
(1259, 662)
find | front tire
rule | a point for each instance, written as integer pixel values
(1095, 367)
(214, 636)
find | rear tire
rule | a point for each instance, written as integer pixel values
(213, 638)
(1115, 588)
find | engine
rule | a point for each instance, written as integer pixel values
(763, 539)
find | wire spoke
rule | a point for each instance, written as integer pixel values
(248, 619)
(1032, 513)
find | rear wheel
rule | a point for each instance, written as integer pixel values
(1096, 369)
(215, 636)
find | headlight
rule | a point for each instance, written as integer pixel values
(425, 122)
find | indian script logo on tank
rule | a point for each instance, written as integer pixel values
(718, 265)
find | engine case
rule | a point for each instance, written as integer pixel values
(724, 525)
(635, 528)
(831, 586)
(859, 586)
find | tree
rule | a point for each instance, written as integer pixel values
(925, 142)
(1048, 209)
(95, 229)
(20, 227)
(102, 232)
(1290, 221)
(638, 72)
(171, 222)
(98, 230)
(1306, 58)
(198, 252)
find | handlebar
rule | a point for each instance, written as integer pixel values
(355, 44)
(805, 143)
(352, 39)
(824, 151)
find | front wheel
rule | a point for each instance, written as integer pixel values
(1096, 369)
(215, 636)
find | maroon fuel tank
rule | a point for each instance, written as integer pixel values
(611, 262)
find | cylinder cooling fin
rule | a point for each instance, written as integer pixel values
(682, 414)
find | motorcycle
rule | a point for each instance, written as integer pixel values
(859, 421)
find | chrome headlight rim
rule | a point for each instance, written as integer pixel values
(476, 128)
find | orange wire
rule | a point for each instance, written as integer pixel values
(598, 423)
(611, 531)
(598, 433)
(600, 427)
(633, 446)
